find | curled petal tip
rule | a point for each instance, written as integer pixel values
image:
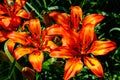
(93, 19)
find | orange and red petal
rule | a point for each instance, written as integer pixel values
(86, 35)
(35, 28)
(54, 30)
(10, 23)
(72, 67)
(18, 4)
(15, 22)
(20, 37)
(63, 52)
(23, 14)
(21, 51)
(3, 10)
(92, 19)
(3, 35)
(5, 22)
(58, 30)
(102, 47)
(49, 46)
(76, 17)
(10, 45)
(36, 59)
(70, 38)
(60, 18)
(94, 65)
(24, 24)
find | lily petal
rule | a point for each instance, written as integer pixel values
(54, 30)
(36, 59)
(3, 35)
(10, 23)
(10, 45)
(22, 13)
(5, 23)
(65, 34)
(92, 19)
(50, 46)
(3, 10)
(35, 28)
(72, 67)
(102, 47)
(68, 40)
(76, 16)
(87, 35)
(23, 26)
(20, 37)
(18, 4)
(21, 51)
(61, 18)
(63, 52)
(94, 65)
(15, 22)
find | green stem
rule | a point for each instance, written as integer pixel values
(70, 2)
(26, 9)
(83, 3)
(34, 9)
(44, 3)
(8, 54)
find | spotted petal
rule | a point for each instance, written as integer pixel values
(61, 18)
(20, 37)
(50, 45)
(94, 65)
(86, 35)
(34, 28)
(23, 14)
(72, 67)
(92, 19)
(76, 16)
(54, 30)
(65, 34)
(102, 47)
(63, 52)
(36, 59)
(21, 51)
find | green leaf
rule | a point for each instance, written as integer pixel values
(48, 62)
(8, 54)
(114, 29)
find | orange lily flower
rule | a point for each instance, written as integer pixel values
(78, 41)
(31, 44)
(11, 16)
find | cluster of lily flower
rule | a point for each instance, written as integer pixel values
(77, 36)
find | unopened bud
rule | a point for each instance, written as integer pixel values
(28, 73)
